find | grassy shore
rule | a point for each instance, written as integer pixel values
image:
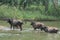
(12, 12)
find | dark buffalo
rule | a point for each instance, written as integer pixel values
(15, 23)
(50, 29)
(37, 25)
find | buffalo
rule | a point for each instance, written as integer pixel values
(50, 29)
(37, 25)
(15, 23)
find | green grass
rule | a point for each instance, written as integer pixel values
(13, 12)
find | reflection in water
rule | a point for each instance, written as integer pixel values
(24, 30)
(47, 36)
(7, 34)
(39, 34)
(52, 36)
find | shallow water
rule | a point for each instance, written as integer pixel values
(29, 34)
(8, 29)
(7, 34)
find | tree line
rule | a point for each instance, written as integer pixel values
(46, 7)
(25, 3)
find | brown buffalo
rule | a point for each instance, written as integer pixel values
(15, 23)
(37, 25)
(50, 29)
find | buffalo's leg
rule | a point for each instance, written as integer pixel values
(41, 29)
(20, 28)
(10, 26)
(34, 28)
(13, 27)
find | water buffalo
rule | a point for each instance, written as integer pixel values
(37, 25)
(15, 23)
(51, 29)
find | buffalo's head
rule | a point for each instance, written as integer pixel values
(32, 23)
(9, 21)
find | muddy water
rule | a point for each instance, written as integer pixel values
(8, 29)
(30, 34)
(10, 34)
